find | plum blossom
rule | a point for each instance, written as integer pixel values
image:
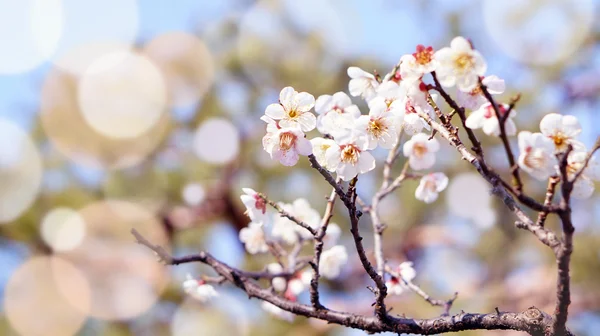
(256, 207)
(332, 261)
(406, 271)
(429, 187)
(460, 65)
(277, 312)
(421, 62)
(199, 289)
(350, 158)
(278, 283)
(288, 231)
(298, 283)
(485, 118)
(332, 235)
(584, 186)
(475, 98)
(286, 145)
(320, 147)
(362, 83)
(537, 155)
(562, 130)
(293, 109)
(336, 113)
(380, 126)
(390, 93)
(253, 238)
(415, 102)
(395, 286)
(420, 151)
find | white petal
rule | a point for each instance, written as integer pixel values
(571, 126)
(303, 146)
(347, 171)
(467, 82)
(551, 124)
(407, 149)
(307, 121)
(304, 101)
(460, 44)
(433, 145)
(366, 162)
(356, 72)
(491, 126)
(341, 99)
(476, 119)
(510, 127)
(441, 181)
(323, 104)
(494, 84)
(583, 188)
(275, 111)
(525, 140)
(286, 96)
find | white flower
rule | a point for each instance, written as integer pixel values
(421, 62)
(415, 101)
(199, 290)
(537, 155)
(277, 312)
(298, 283)
(379, 125)
(406, 271)
(485, 118)
(253, 238)
(429, 187)
(336, 113)
(460, 65)
(420, 151)
(362, 83)
(286, 144)
(332, 235)
(395, 286)
(256, 207)
(562, 130)
(391, 94)
(475, 98)
(279, 283)
(584, 186)
(293, 109)
(319, 148)
(288, 231)
(332, 261)
(350, 158)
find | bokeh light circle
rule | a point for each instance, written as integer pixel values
(469, 197)
(539, 32)
(186, 63)
(94, 28)
(62, 229)
(67, 129)
(20, 171)
(125, 277)
(122, 95)
(41, 295)
(193, 194)
(217, 141)
(29, 31)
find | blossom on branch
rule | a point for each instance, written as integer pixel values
(429, 187)
(414, 66)
(278, 283)
(332, 261)
(253, 237)
(335, 113)
(562, 130)
(350, 157)
(420, 151)
(293, 110)
(199, 289)
(537, 155)
(277, 312)
(584, 186)
(379, 126)
(290, 232)
(320, 147)
(256, 207)
(485, 118)
(286, 144)
(460, 65)
(475, 98)
(362, 83)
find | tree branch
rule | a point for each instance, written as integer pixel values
(287, 215)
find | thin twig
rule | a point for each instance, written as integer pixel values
(287, 215)
(550, 191)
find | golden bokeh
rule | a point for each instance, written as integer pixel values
(35, 298)
(186, 63)
(67, 129)
(62, 229)
(125, 277)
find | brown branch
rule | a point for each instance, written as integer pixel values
(503, 136)
(287, 215)
(550, 191)
(314, 283)
(532, 320)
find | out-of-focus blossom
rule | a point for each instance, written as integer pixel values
(277, 312)
(293, 110)
(562, 130)
(332, 261)
(332, 235)
(536, 155)
(288, 231)
(278, 283)
(199, 290)
(395, 286)
(406, 271)
(460, 65)
(485, 118)
(253, 237)
(584, 186)
(420, 151)
(362, 83)
(256, 207)
(475, 98)
(429, 187)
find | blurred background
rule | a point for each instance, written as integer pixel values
(121, 113)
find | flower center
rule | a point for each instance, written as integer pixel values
(560, 140)
(424, 55)
(409, 108)
(489, 111)
(464, 62)
(534, 159)
(287, 141)
(337, 109)
(260, 204)
(377, 127)
(430, 185)
(293, 114)
(420, 149)
(350, 154)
